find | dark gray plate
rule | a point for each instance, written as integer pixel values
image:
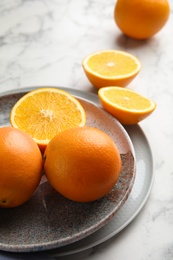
(48, 220)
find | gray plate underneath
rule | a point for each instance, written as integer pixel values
(135, 202)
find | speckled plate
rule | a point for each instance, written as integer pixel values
(48, 220)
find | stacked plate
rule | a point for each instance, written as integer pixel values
(50, 222)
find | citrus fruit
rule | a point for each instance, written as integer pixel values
(44, 112)
(21, 167)
(126, 105)
(141, 19)
(111, 68)
(83, 163)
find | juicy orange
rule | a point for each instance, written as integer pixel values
(44, 112)
(83, 163)
(141, 19)
(126, 105)
(21, 167)
(111, 68)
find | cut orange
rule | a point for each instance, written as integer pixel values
(44, 112)
(126, 105)
(111, 68)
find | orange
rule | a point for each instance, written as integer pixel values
(44, 112)
(126, 105)
(21, 167)
(141, 19)
(111, 68)
(83, 164)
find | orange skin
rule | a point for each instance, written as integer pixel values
(103, 82)
(83, 163)
(20, 167)
(141, 19)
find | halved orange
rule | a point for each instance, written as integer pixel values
(111, 68)
(44, 112)
(126, 105)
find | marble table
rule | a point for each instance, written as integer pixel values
(42, 43)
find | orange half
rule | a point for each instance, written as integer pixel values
(126, 105)
(44, 112)
(111, 68)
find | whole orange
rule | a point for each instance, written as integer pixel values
(141, 19)
(83, 164)
(21, 167)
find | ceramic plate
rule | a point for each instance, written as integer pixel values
(48, 220)
(134, 204)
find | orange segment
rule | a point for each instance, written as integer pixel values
(126, 105)
(111, 68)
(44, 112)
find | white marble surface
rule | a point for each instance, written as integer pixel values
(43, 42)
